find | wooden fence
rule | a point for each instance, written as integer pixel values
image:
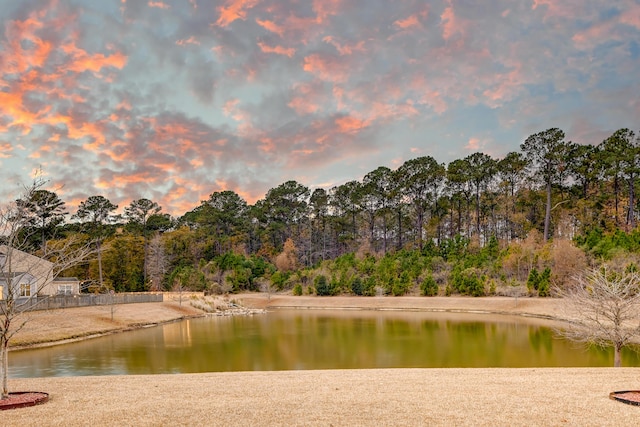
(84, 300)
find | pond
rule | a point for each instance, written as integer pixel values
(316, 339)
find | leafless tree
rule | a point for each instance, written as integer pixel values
(157, 262)
(25, 277)
(604, 309)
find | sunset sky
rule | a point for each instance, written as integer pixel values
(172, 100)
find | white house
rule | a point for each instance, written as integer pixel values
(29, 275)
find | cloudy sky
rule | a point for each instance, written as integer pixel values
(172, 100)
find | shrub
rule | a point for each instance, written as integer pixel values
(429, 287)
(539, 283)
(468, 281)
(322, 286)
(401, 285)
(297, 289)
(278, 279)
(533, 280)
(544, 283)
(356, 286)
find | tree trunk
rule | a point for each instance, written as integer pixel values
(478, 211)
(547, 214)
(631, 218)
(615, 191)
(4, 367)
(617, 358)
(399, 229)
(100, 264)
(419, 224)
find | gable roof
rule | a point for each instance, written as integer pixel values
(22, 261)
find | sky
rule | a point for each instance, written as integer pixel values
(172, 100)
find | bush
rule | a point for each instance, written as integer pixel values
(539, 283)
(401, 285)
(297, 289)
(322, 286)
(278, 279)
(544, 283)
(468, 281)
(533, 280)
(429, 287)
(356, 286)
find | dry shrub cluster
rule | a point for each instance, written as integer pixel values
(560, 255)
(287, 260)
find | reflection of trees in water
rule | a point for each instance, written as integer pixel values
(540, 339)
(314, 340)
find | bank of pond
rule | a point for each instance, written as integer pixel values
(317, 339)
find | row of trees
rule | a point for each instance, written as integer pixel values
(559, 188)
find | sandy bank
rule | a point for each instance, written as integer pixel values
(71, 324)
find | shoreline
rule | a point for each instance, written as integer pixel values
(380, 397)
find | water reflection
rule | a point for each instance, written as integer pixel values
(308, 339)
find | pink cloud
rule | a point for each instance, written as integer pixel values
(560, 9)
(450, 24)
(271, 26)
(631, 16)
(350, 124)
(345, 49)
(473, 144)
(506, 87)
(326, 8)
(326, 67)
(5, 150)
(307, 98)
(233, 10)
(158, 4)
(409, 22)
(191, 40)
(279, 50)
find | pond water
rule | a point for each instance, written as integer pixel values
(316, 339)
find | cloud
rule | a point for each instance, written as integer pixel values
(327, 67)
(233, 10)
(345, 49)
(326, 8)
(158, 4)
(279, 50)
(271, 26)
(246, 94)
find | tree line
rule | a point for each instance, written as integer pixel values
(473, 226)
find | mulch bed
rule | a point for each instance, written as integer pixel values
(630, 397)
(22, 399)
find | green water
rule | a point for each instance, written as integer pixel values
(309, 339)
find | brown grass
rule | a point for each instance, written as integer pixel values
(385, 397)
(55, 326)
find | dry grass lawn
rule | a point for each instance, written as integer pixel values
(385, 397)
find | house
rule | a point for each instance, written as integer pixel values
(30, 276)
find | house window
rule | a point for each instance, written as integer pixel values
(25, 290)
(65, 289)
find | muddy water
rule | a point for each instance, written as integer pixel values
(316, 339)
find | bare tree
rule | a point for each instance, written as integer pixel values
(24, 277)
(157, 263)
(604, 309)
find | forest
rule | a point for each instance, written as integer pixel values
(519, 225)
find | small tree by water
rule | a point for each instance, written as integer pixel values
(24, 276)
(604, 309)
